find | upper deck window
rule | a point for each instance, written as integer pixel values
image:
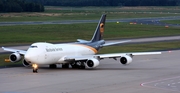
(33, 47)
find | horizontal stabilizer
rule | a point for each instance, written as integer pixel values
(115, 43)
(82, 41)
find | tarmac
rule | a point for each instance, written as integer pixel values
(146, 74)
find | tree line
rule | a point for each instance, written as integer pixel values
(108, 2)
(20, 6)
(38, 5)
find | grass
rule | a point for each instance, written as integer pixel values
(27, 34)
(75, 16)
(7, 64)
(154, 46)
(84, 13)
(166, 9)
(171, 21)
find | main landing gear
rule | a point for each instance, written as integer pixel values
(53, 66)
(78, 65)
(35, 68)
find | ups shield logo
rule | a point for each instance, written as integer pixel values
(102, 28)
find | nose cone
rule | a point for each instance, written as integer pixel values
(30, 58)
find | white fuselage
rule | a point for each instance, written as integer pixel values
(47, 53)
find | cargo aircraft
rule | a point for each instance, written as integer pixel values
(81, 54)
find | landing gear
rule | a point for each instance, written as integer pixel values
(74, 65)
(78, 65)
(53, 66)
(35, 71)
(65, 65)
(35, 68)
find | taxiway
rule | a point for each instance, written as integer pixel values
(146, 21)
(146, 74)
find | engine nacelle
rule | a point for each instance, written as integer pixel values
(92, 63)
(15, 57)
(125, 60)
(25, 63)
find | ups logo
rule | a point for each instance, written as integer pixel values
(102, 28)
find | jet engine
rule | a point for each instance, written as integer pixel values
(25, 63)
(125, 60)
(15, 57)
(92, 63)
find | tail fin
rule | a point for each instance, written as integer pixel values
(98, 34)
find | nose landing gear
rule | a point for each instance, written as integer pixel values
(35, 68)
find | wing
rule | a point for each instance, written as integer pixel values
(92, 61)
(116, 55)
(14, 50)
(102, 56)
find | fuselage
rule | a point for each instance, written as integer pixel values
(47, 53)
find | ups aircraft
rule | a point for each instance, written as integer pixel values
(81, 54)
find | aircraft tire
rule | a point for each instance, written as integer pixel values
(65, 65)
(35, 71)
(82, 67)
(74, 66)
(53, 66)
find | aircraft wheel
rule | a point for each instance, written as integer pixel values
(35, 71)
(82, 67)
(74, 66)
(53, 66)
(35, 68)
(79, 65)
(65, 65)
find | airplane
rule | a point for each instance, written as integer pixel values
(81, 54)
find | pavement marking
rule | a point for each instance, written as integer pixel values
(171, 84)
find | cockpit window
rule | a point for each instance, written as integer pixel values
(33, 47)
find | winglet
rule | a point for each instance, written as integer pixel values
(3, 48)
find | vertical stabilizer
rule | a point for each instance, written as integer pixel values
(98, 34)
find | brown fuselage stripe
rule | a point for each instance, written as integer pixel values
(91, 48)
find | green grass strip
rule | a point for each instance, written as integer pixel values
(27, 34)
(171, 21)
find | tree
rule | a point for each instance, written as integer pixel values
(20, 6)
(107, 2)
